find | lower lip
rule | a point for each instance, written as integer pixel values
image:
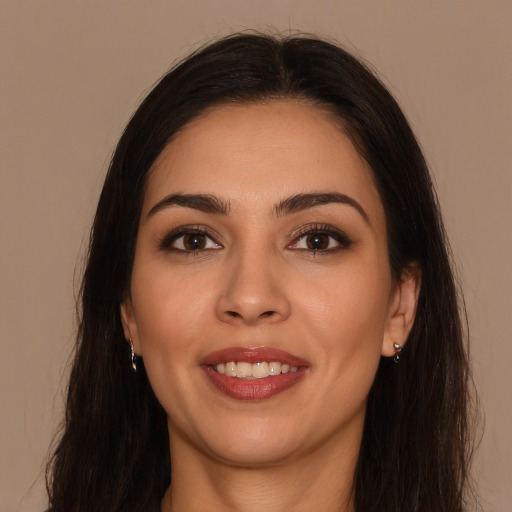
(253, 389)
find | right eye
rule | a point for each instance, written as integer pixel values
(194, 242)
(189, 241)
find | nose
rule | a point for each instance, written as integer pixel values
(254, 292)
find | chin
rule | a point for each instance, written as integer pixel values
(255, 454)
(254, 445)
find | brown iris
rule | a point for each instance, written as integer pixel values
(194, 241)
(317, 241)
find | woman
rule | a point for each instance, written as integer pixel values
(268, 306)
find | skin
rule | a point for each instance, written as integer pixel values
(255, 284)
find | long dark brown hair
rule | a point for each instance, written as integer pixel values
(113, 450)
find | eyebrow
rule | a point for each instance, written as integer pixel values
(211, 204)
(203, 202)
(305, 201)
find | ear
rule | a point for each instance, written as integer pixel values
(402, 309)
(130, 323)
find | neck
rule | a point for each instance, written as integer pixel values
(320, 480)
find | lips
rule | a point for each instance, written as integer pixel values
(251, 388)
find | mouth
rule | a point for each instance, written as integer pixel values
(259, 370)
(253, 374)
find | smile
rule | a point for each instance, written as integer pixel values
(253, 373)
(260, 370)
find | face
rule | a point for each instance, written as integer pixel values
(261, 297)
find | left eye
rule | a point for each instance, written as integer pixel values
(192, 242)
(320, 241)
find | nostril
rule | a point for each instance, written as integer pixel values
(235, 314)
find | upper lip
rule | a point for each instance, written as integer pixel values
(252, 355)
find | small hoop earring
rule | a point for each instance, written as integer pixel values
(398, 349)
(133, 356)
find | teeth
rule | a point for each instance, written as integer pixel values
(230, 369)
(259, 370)
(243, 370)
(274, 368)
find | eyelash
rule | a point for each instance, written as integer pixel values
(169, 239)
(342, 240)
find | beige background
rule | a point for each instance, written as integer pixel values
(73, 71)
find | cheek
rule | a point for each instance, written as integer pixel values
(346, 316)
(349, 301)
(170, 316)
(168, 307)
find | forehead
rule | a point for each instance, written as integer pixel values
(255, 153)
